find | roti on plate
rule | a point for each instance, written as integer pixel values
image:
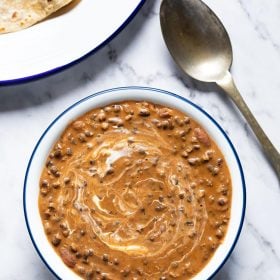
(19, 14)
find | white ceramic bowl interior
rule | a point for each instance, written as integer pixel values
(38, 158)
(40, 49)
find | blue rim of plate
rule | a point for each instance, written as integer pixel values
(76, 61)
(115, 90)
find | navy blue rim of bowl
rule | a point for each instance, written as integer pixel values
(76, 61)
(115, 90)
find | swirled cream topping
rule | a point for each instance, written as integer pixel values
(135, 190)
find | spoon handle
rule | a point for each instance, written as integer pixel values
(228, 85)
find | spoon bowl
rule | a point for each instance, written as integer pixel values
(204, 51)
(200, 45)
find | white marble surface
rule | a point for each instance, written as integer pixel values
(138, 56)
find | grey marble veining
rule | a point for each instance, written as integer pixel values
(138, 56)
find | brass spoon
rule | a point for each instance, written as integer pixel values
(200, 45)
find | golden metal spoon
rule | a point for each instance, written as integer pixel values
(200, 45)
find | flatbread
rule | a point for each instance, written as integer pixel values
(19, 14)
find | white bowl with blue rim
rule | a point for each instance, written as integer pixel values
(81, 28)
(100, 99)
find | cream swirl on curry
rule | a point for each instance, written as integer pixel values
(135, 190)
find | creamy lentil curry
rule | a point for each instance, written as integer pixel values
(135, 190)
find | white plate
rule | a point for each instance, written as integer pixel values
(60, 41)
(39, 155)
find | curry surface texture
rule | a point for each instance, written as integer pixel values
(135, 190)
